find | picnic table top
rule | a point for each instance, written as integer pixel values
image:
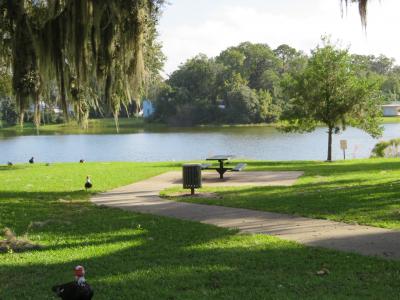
(220, 157)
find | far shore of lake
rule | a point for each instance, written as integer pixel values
(126, 125)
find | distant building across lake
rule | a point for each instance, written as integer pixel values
(391, 110)
(148, 108)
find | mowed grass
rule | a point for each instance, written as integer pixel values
(386, 120)
(134, 256)
(359, 191)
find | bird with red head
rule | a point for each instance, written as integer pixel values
(75, 290)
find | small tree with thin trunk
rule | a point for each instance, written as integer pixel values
(330, 92)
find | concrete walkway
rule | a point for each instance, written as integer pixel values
(143, 197)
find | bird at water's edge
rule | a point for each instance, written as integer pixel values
(32, 160)
(75, 290)
(88, 183)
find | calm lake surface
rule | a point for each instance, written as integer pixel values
(261, 143)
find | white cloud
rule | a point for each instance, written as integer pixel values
(187, 30)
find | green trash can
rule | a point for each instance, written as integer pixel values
(191, 174)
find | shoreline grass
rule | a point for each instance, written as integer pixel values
(95, 126)
(388, 120)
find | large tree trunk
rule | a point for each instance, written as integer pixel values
(330, 133)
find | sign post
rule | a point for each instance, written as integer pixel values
(343, 146)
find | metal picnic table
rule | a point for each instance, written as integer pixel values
(221, 169)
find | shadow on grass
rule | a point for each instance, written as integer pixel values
(38, 196)
(137, 256)
(172, 259)
(132, 255)
(14, 167)
(19, 209)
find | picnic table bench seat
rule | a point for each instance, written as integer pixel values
(239, 167)
(205, 166)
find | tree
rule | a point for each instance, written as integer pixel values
(291, 59)
(251, 61)
(206, 90)
(330, 91)
(198, 76)
(190, 94)
(246, 105)
(96, 50)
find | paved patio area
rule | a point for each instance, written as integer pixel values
(143, 197)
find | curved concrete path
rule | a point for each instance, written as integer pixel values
(143, 197)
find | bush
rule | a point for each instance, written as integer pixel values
(387, 149)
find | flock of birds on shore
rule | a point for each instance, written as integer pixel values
(88, 183)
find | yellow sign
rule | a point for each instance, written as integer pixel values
(343, 144)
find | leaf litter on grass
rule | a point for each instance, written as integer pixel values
(12, 243)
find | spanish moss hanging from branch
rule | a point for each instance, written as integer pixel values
(93, 48)
(362, 8)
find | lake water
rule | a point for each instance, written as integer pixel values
(262, 143)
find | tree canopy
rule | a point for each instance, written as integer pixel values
(98, 53)
(241, 85)
(231, 88)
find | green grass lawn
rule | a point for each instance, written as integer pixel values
(134, 256)
(358, 191)
(391, 120)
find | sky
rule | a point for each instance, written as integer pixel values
(190, 27)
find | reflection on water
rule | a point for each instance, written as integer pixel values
(263, 143)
